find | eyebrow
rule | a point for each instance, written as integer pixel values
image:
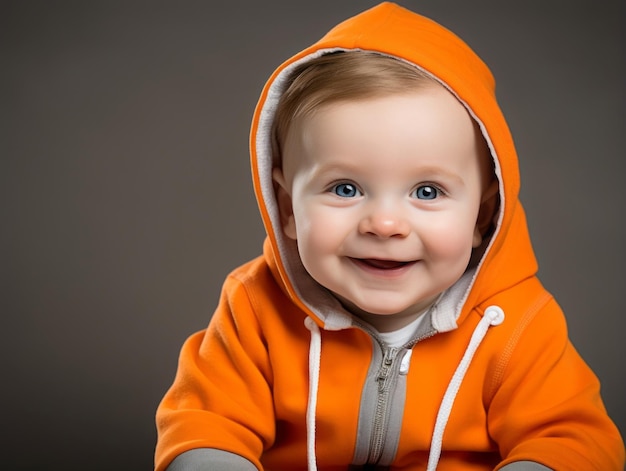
(321, 170)
(427, 172)
(441, 173)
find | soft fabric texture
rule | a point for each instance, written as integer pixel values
(284, 378)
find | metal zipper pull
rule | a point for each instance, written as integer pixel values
(385, 368)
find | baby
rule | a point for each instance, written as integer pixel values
(394, 320)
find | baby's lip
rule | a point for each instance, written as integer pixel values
(382, 264)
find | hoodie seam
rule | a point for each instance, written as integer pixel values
(511, 345)
(243, 281)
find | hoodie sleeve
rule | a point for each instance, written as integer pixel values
(221, 396)
(547, 408)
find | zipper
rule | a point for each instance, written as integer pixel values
(386, 379)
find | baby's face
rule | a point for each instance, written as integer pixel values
(382, 197)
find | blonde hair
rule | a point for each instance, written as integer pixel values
(341, 76)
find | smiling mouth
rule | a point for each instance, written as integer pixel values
(384, 265)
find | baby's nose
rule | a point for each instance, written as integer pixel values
(385, 222)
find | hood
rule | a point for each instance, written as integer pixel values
(392, 30)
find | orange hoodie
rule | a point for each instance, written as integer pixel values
(284, 378)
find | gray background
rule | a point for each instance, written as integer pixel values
(125, 192)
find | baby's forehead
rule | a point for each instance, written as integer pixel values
(429, 122)
(432, 111)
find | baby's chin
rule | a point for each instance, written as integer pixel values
(382, 317)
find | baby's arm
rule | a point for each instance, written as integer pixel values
(219, 409)
(547, 406)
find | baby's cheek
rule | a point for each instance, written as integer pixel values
(312, 242)
(315, 243)
(451, 245)
(321, 228)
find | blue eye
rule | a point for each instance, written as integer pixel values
(426, 192)
(346, 190)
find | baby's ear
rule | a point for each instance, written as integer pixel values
(285, 207)
(487, 213)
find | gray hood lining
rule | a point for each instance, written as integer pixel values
(319, 300)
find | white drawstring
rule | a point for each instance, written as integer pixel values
(315, 352)
(494, 315)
